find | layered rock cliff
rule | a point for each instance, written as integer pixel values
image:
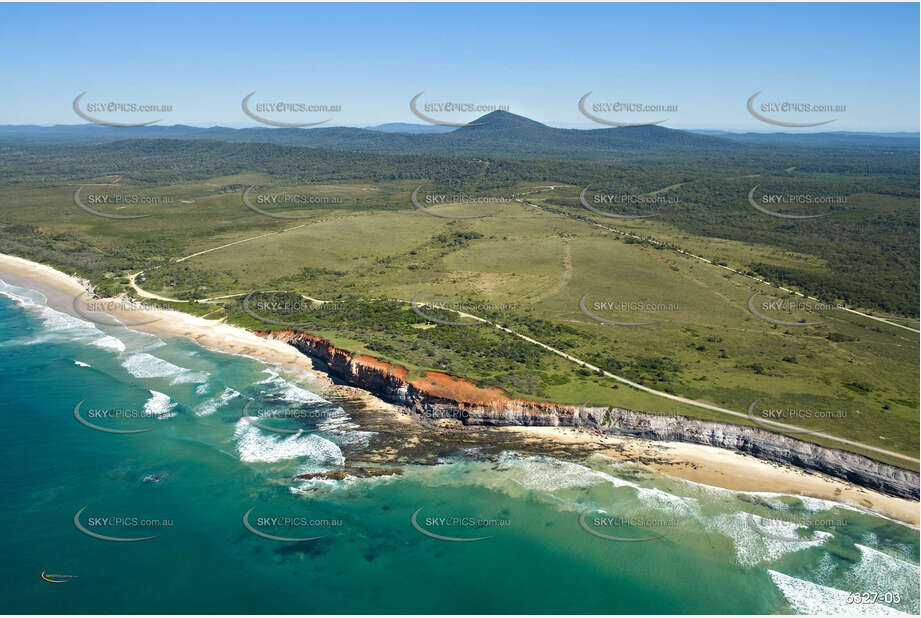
(438, 396)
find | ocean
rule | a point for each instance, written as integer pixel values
(224, 498)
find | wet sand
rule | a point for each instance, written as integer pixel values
(700, 464)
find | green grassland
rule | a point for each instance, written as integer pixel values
(523, 264)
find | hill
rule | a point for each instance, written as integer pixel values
(498, 133)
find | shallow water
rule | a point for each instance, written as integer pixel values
(683, 548)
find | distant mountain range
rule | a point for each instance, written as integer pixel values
(408, 127)
(825, 139)
(498, 133)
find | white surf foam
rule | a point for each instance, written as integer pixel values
(808, 598)
(159, 405)
(57, 323)
(22, 296)
(881, 572)
(143, 365)
(753, 548)
(256, 445)
(336, 419)
(191, 377)
(325, 486)
(108, 342)
(547, 474)
(215, 403)
(288, 391)
(79, 364)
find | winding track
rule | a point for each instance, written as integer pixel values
(727, 268)
(582, 363)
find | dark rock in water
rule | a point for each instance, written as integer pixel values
(154, 478)
(390, 383)
(358, 471)
(289, 551)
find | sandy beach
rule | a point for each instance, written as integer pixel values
(718, 467)
(61, 289)
(700, 464)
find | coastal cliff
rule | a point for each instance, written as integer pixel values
(440, 398)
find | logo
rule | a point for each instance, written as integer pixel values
(585, 310)
(428, 418)
(112, 414)
(249, 204)
(117, 107)
(787, 414)
(109, 521)
(774, 199)
(272, 306)
(779, 305)
(416, 203)
(621, 107)
(79, 202)
(455, 522)
(54, 578)
(786, 107)
(415, 304)
(619, 521)
(290, 521)
(586, 205)
(253, 421)
(789, 525)
(110, 305)
(451, 107)
(284, 107)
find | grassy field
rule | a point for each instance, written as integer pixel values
(523, 264)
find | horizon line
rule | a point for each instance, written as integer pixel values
(200, 125)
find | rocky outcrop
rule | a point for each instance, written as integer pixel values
(467, 405)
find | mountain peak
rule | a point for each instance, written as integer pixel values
(503, 120)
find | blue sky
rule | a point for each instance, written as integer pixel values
(538, 59)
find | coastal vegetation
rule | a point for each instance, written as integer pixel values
(536, 262)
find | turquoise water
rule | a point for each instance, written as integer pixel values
(201, 466)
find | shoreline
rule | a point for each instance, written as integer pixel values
(706, 465)
(215, 335)
(730, 470)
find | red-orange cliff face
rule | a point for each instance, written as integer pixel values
(441, 396)
(378, 376)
